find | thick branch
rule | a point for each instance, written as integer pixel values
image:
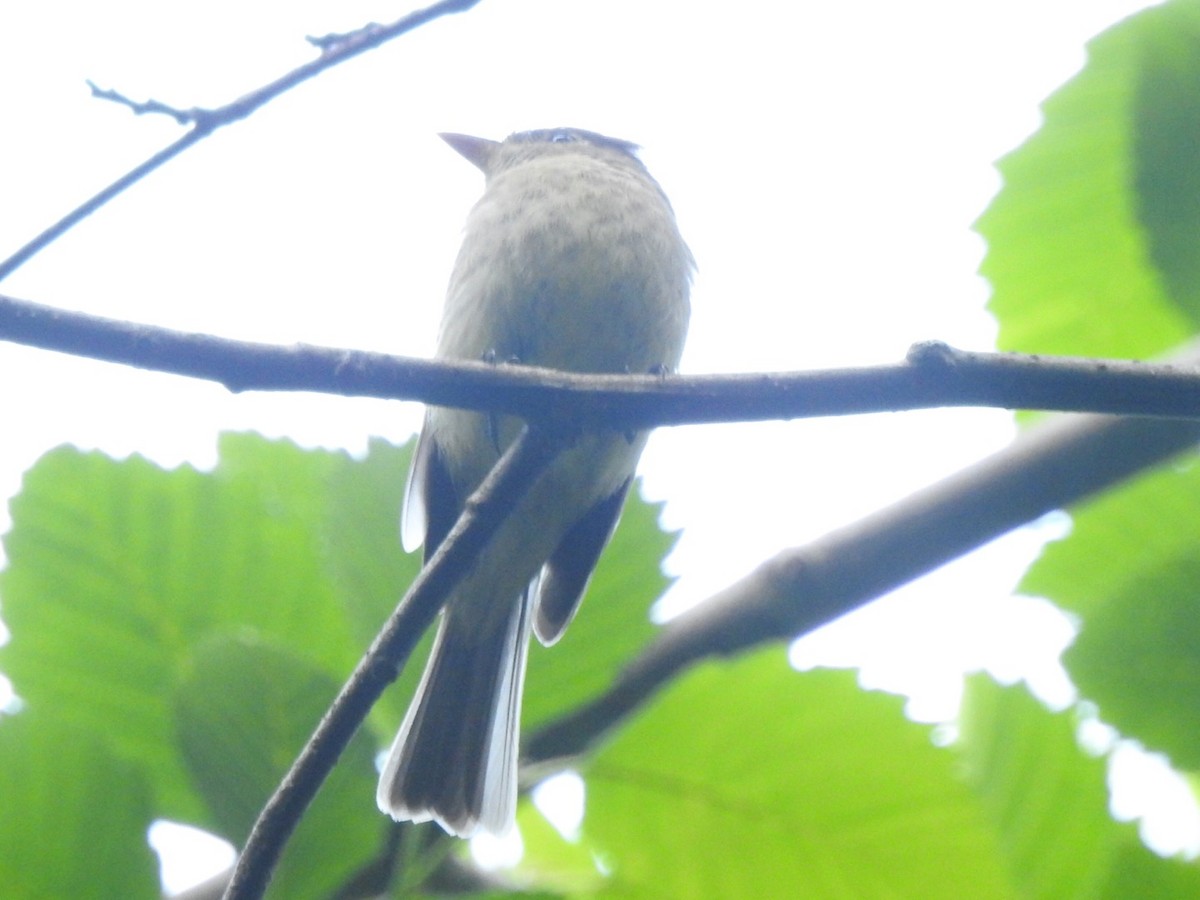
(803, 588)
(933, 375)
(486, 509)
(334, 49)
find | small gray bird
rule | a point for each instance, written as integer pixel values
(570, 260)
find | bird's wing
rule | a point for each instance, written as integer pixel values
(566, 573)
(430, 501)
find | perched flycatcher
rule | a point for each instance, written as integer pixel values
(570, 260)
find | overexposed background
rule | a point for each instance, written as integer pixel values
(825, 161)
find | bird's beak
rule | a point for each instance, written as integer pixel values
(478, 151)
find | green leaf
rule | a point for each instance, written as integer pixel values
(94, 637)
(1067, 257)
(73, 819)
(197, 623)
(1130, 571)
(1166, 123)
(552, 861)
(361, 540)
(118, 569)
(750, 780)
(1047, 798)
(245, 709)
(1139, 873)
(362, 554)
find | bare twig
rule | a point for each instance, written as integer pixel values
(329, 43)
(498, 494)
(147, 107)
(933, 375)
(334, 49)
(803, 588)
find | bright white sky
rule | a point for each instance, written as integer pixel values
(825, 160)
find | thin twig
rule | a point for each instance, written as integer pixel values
(144, 107)
(933, 375)
(334, 49)
(484, 512)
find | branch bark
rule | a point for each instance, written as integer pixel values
(934, 374)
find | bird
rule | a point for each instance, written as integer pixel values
(572, 260)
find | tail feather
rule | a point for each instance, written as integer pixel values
(454, 759)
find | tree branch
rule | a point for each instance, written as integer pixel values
(933, 375)
(520, 466)
(801, 589)
(334, 49)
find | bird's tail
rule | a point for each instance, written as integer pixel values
(454, 759)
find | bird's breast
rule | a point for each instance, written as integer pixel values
(570, 267)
